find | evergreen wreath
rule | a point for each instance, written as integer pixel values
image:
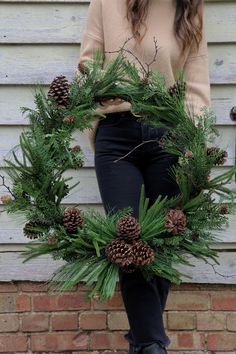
(95, 246)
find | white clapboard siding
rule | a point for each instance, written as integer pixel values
(42, 23)
(11, 226)
(39, 63)
(41, 39)
(65, 22)
(43, 267)
(10, 138)
(87, 192)
(223, 98)
(11, 229)
(221, 21)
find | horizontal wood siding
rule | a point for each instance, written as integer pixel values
(41, 39)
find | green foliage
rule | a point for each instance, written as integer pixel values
(44, 154)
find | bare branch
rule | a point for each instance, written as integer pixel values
(145, 71)
(4, 185)
(137, 146)
(154, 57)
(222, 275)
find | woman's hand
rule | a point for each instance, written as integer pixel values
(111, 101)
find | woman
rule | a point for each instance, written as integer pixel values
(179, 28)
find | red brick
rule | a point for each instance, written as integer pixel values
(9, 323)
(231, 322)
(59, 341)
(73, 301)
(208, 321)
(173, 340)
(164, 316)
(192, 352)
(194, 300)
(82, 287)
(93, 320)
(118, 320)
(107, 351)
(199, 340)
(23, 303)
(44, 303)
(114, 303)
(6, 287)
(224, 300)
(185, 340)
(221, 341)
(83, 352)
(81, 340)
(13, 343)
(63, 322)
(183, 320)
(191, 340)
(185, 286)
(28, 286)
(7, 303)
(108, 340)
(35, 323)
(34, 286)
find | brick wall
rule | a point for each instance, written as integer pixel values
(199, 318)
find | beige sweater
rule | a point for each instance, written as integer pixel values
(107, 28)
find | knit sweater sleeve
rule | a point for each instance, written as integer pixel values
(93, 33)
(196, 71)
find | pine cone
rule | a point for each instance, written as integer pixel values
(52, 240)
(78, 161)
(119, 252)
(176, 88)
(143, 253)
(29, 231)
(69, 119)
(188, 154)
(224, 208)
(220, 160)
(5, 198)
(72, 219)
(59, 90)
(176, 220)
(76, 148)
(83, 69)
(128, 228)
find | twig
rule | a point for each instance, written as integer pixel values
(225, 276)
(4, 185)
(144, 142)
(154, 58)
(146, 72)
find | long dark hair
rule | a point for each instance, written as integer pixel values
(187, 24)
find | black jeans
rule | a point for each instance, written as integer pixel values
(120, 184)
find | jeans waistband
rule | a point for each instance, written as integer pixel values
(129, 114)
(122, 114)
